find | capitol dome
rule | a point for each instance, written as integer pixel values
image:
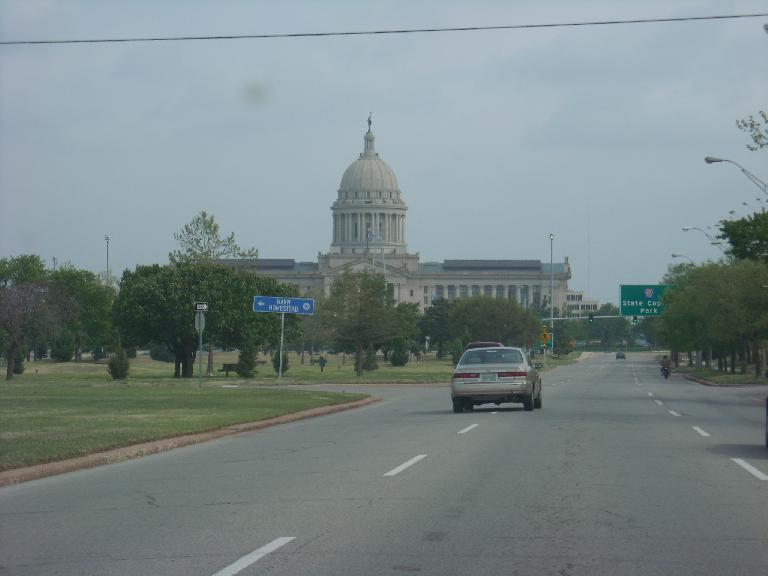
(369, 210)
(369, 177)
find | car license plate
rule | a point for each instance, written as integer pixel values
(489, 377)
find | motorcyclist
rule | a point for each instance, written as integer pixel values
(665, 364)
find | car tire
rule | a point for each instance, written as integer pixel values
(528, 403)
(468, 406)
(537, 400)
(458, 406)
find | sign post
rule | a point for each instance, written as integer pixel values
(200, 309)
(281, 305)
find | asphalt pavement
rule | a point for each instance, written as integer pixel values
(620, 472)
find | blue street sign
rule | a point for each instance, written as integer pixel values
(281, 304)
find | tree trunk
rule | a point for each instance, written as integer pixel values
(11, 358)
(744, 349)
(177, 367)
(359, 359)
(758, 360)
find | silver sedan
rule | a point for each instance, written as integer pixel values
(495, 375)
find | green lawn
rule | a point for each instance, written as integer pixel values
(722, 378)
(60, 410)
(44, 421)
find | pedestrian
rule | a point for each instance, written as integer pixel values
(322, 363)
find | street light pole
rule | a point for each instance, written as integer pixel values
(759, 183)
(684, 256)
(709, 236)
(551, 292)
(106, 276)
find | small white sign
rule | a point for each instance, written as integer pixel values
(201, 306)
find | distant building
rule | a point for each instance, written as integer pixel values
(577, 305)
(369, 233)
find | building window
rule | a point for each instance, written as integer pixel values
(499, 291)
(524, 301)
(451, 292)
(537, 295)
(439, 291)
(463, 291)
(426, 301)
(411, 293)
(475, 290)
(426, 289)
(512, 293)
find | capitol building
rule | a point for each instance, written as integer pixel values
(369, 233)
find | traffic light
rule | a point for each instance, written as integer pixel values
(591, 317)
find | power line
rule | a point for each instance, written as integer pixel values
(383, 32)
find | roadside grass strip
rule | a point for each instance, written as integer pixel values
(405, 465)
(751, 469)
(254, 556)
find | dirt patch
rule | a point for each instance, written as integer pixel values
(19, 475)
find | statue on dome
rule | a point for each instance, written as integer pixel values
(369, 121)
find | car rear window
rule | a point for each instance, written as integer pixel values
(493, 356)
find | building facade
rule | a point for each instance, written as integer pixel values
(369, 233)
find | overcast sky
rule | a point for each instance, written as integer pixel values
(596, 134)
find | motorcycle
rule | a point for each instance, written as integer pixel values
(665, 371)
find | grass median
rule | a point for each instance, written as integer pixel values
(44, 422)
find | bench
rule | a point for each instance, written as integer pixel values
(232, 367)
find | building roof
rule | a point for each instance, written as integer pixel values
(492, 265)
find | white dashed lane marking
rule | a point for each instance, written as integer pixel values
(700, 431)
(254, 556)
(405, 465)
(467, 429)
(751, 469)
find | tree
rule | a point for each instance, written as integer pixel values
(156, 303)
(84, 306)
(747, 237)
(493, 319)
(22, 304)
(610, 331)
(361, 309)
(406, 328)
(758, 134)
(435, 325)
(199, 241)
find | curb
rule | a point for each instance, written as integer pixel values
(19, 475)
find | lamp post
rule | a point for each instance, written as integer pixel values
(709, 236)
(551, 292)
(106, 275)
(759, 183)
(684, 256)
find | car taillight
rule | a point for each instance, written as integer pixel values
(512, 374)
(467, 375)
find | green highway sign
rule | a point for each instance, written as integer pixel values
(642, 299)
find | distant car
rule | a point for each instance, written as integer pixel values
(620, 355)
(493, 375)
(472, 345)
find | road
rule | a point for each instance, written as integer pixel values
(621, 472)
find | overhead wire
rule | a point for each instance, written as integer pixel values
(382, 32)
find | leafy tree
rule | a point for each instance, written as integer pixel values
(361, 312)
(747, 237)
(610, 331)
(493, 319)
(22, 304)
(200, 241)
(399, 353)
(156, 303)
(160, 352)
(84, 307)
(758, 133)
(435, 324)
(63, 346)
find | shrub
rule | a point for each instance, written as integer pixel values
(276, 362)
(246, 364)
(63, 347)
(399, 354)
(457, 349)
(160, 352)
(118, 365)
(369, 362)
(132, 352)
